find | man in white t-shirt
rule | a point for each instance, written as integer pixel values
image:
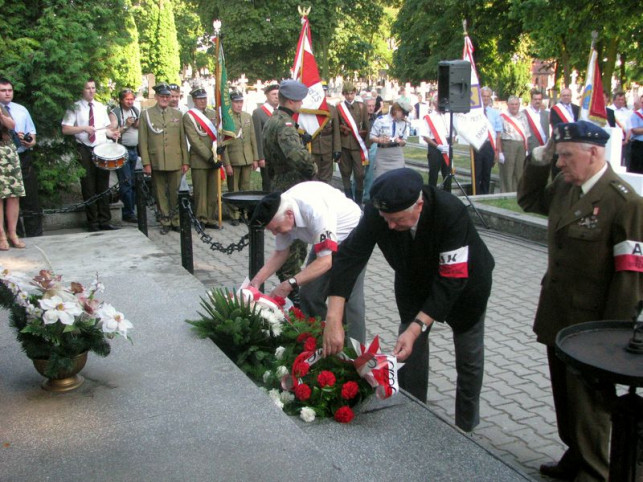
(323, 216)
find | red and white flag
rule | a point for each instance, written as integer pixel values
(314, 112)
(474, 127)
(593, 103)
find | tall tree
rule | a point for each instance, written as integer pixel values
(189, 30)
(125, 59)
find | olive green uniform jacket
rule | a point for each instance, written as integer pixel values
(242, 151)
(165, 149)
(200, 142)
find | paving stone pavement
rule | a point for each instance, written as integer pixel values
(517, 414)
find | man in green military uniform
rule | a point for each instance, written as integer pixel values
(288, 159)
(164, 153)
(353, 128)
(594, 272)
(327, 146)
(259, 118)
(199, 124)
(240, 157)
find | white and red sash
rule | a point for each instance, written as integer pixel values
(205, 123)
(536, 127)
(563, 113)
(638, 114)
(454, 264)
(348, 118)
(439, 138)
(518, 129)
(268, 109)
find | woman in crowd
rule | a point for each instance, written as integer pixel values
(390, 132)
(11, 187)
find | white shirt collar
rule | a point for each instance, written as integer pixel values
(589, 184)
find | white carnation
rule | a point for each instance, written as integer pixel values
(279, 352)
(307, 414)
(287, 397)
(281, 371)
(266, 376)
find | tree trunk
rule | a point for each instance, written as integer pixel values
(610, 63)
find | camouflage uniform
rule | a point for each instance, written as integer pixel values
(290, 163)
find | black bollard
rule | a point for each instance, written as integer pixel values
(255, 256)
(626, 456)
(186, 226)
(141, 201)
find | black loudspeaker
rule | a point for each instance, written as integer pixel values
(454, 86)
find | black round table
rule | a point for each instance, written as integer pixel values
(247, 201)
(598, 350)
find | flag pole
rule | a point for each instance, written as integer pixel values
(472, 162)
(216, 24)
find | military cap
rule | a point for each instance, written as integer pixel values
(581, 131)
(199, 93)
(270, 88)
(266, 210)
(235, 95)
(405, 106)
(348, 87)
(396, 190)
(293, 89)
(175, 87)
(162, 89)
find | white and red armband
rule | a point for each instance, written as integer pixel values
(628, 256)
(455, 264)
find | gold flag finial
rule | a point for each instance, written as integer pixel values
(303, 11)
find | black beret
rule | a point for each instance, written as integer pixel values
(199, 93)
(162, 89)
(266, 210)
(581, 131)
(293, 89)
(270, 88)
(234, 96)
(396, 190)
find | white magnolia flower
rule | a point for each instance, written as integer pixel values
(113, 321)
(22, 299)
(33, 311)
(307, 414)
(55, 309)
(281, 371)
(287, 397)
(279, 352)
(97, 286)
(266, 376)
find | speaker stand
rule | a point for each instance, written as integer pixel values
(446, 183)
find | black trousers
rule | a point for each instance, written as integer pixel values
(636, 161)
(30, 209)
(483, 160)
(437, 165)
(94, 182)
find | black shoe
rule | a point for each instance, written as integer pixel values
(130, 219)
(165, 229)
(108, 227)
(211, 226)
(93, 228)
(176, 229)
(235, 222)
(557, 471)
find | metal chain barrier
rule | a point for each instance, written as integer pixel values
(207, 239)
(150, 202)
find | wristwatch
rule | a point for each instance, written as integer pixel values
(293, 283)
(423, 325)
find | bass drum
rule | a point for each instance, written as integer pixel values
(109, 156)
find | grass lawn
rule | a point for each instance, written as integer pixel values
(507, 203)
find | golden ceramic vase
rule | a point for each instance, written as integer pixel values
(64, 381)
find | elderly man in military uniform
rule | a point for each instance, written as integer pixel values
(164, 153)
(327, 145)
(595, 272)
(199, 124)
(442, 273)
(259, 118)
(353, 125)
(240, 157)
(288, 160)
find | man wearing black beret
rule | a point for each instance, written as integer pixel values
(595, 272)
(442, 273)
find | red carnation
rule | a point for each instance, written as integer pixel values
(344, 414)
(310, 344)
(302, 392)
(312, 320)
(326, 379)
(349, 390)
(301, 369)
(303, 337)
(297, 313)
